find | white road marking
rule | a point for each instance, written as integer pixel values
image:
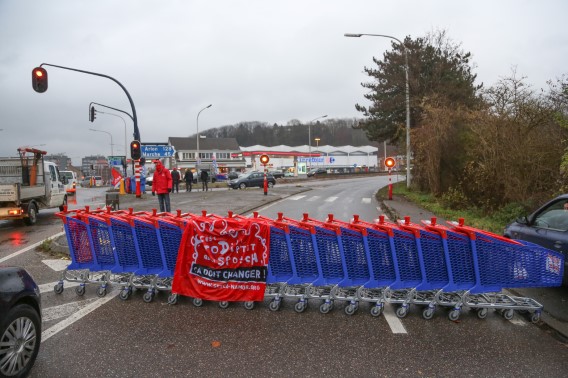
(30, 247)
(331, 199)
(314, 198)
(295, 198)
(395, 324)
(365, 200)
(64, 310)
(44, 288)
(57, 265)
(77, 315)
(518, 321)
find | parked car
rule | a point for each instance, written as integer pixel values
(277, 174)
(20, 321)
(547, 226)
(317, 171)
(250, 180)
(288, 174)
(233, 175)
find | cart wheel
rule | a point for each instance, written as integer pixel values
(101, 292)
(402, 311)
(482, 313)
(197, 302)
(300, 307)
(454, 315)
(249, 305)
(535, 317)
(325, 308)
(80, 290)
(350, 309)
(148, 296)
(508, 314)
(274, 305)
(172, 299)
(428, 313)
(223, 304)
(376, 311)
(58, 289)
(124, 294)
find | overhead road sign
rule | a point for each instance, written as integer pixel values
(157, 151)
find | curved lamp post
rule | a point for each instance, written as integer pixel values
(197, 159)
(310, 138)
(407, 97)
(111, 144)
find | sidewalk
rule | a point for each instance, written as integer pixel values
(554, 300)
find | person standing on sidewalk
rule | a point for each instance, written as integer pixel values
(204, 180)
(162, 184)
(176, 176)
(188, 178)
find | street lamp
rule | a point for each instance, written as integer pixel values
(197, 157)
(123, 121)
(407, 97)
(111, 144)
(310, 138)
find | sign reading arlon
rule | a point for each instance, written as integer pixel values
(157, 151)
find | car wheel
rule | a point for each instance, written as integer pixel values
(242, 185)
(32, 215)
(270, 184)
(20, 337)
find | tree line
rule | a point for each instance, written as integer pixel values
(333, 132)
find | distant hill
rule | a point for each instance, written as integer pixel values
(333, 132)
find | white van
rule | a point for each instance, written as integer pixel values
(71, 185)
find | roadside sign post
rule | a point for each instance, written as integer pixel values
(264, 159)
(389, 164)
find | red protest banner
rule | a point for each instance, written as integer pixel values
(223, 259)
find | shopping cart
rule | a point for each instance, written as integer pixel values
(90, 249)
(331, 261)
(433, 266)
(354, 261)
(281, 265)
(505, 263)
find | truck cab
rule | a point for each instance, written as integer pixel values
(28, 184)
(71, 184)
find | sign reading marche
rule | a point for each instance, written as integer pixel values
(157, 151)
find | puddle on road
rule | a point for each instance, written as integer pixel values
(15, 239)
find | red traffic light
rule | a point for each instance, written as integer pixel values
(135, 151)
(39, 79)
(264, 159)
(390, 162)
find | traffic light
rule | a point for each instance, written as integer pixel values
(390, 162)
(39, 79)
(264, 159)
(135, 151)
(92, 114)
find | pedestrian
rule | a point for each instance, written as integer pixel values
(162, 185)
(176, 176)
(204, 180)
(188, 177)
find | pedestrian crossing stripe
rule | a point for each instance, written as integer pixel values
(331, 199)
(296, 198)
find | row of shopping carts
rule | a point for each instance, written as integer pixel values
(427, 264)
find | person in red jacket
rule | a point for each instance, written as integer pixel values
(162, 184)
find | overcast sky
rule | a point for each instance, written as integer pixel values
(254, 60)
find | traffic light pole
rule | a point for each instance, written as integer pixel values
(136, 131)
(134, 118)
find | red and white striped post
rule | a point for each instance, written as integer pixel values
(137, 178)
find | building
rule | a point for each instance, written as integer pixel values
(62, 161)
(222, 155)
(300, 159)
(96, 166)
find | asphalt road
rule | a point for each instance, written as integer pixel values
(93, 337)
